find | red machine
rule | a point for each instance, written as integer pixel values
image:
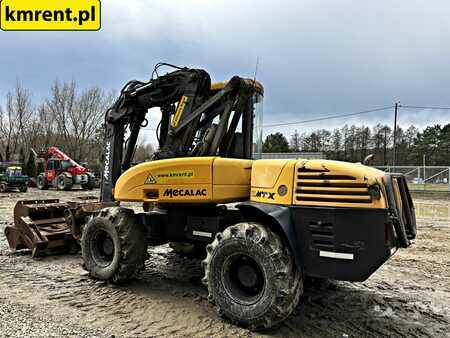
(62, 172)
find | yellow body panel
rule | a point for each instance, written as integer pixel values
(286, 182)
(316, 183)
(216, 86)
(186, 180)
(268, 176)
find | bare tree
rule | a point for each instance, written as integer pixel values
(16, 122)
(77, 117)
(296, 141)
(143, 152)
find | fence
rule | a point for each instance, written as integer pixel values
(307, 155)
(420, 178)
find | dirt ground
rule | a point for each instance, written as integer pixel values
(408, 296)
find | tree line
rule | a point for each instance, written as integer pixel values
(68, 118)
(72, 119)
(353, 143)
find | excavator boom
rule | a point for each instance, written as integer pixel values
(197, 119)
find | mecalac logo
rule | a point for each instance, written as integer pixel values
(264, 194)
(184, 192)
(107, 159)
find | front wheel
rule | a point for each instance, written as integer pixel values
(64, 182)
(251, 276)
(41, 182)
(23, 188)
(113, 245)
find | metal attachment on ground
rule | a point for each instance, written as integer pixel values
(48, 226)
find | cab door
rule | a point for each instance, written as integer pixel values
(50, 172)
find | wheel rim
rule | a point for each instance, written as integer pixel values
(61, 182)
(243, 279)
(102, 248)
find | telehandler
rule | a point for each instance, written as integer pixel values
(61, 171)
(265, 224)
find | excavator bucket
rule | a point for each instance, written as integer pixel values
(40, 225)
(49, 226)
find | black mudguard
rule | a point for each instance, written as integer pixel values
(338, 243)
(279, 214)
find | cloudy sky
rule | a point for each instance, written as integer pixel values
(317, 58)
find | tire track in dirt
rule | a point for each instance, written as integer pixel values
(167, 299)
(407, 297)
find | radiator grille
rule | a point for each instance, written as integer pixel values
(322, 235)
(324, 187)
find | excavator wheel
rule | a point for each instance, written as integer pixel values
(41, 182)
(114, 245)
(64, 182)
(251, 276)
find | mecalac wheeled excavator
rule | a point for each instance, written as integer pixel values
(265, 225)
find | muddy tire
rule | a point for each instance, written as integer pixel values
(113, 245)
(64, 182)
(41, 182)
(3, 187)
(23, 188)
(90, 184)
(251, 276)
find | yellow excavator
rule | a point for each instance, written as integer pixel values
(264, 225)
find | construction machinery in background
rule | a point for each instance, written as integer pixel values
(12, 178)
(266, 224)
(61, 172)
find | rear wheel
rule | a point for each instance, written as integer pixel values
(113, 245)
(3, 187)
(41, 182)
(90, 184)
(251, 276)
(64, 182)
(23, 188)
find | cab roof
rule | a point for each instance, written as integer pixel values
(220, 85)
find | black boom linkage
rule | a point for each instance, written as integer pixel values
(189, 107)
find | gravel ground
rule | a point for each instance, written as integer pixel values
(25, 320)
(52, 296)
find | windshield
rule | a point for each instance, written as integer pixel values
(65, 164)
(14, 171)
(257, 125)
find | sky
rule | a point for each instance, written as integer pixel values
(316, 58)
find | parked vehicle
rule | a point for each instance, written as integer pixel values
(13, 178)
(62, 172)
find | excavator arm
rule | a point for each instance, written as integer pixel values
(188, 107)
(197, 119)
(187, 87)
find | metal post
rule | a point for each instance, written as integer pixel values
(395, 136)
(448, 182)
(424, 172)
